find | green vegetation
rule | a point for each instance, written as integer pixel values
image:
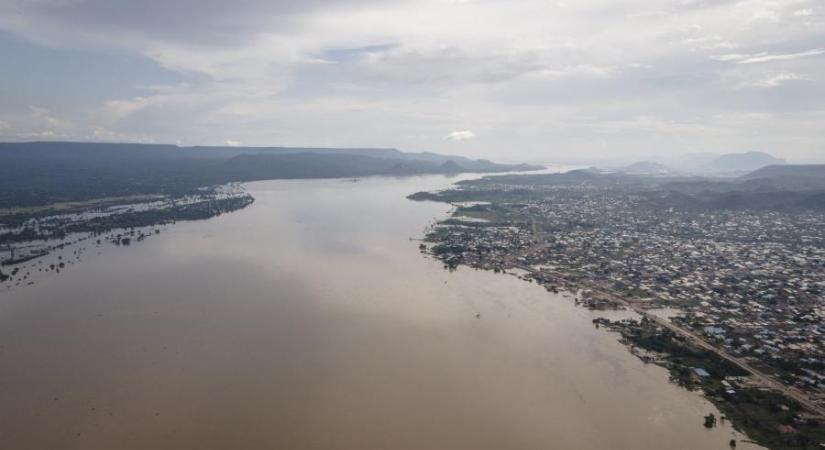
(492, 195)
(771, 419)
(46, 174)
(155, 216)
(780, 188)
(767, 417)
(673, 240)
(62, 207)
(194, 211)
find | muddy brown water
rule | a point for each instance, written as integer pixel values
(311, 321)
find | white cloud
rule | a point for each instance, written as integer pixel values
(765, 15)
(767, 57)
(771, 81)
(460, 135)
(782, 57)
(531, 76)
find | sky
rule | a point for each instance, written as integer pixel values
(510, 80)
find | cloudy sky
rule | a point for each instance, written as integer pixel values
(513, 80)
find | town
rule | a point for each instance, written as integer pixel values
(747, 283)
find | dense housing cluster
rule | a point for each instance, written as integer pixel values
(750, 281)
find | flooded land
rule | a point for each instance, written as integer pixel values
(310, 320)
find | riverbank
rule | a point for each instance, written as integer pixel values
(752, 404)
(28, 237)
(310, 320)
(768, 417)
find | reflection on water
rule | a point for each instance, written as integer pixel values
(311, 321)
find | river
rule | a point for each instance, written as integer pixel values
(310, 320)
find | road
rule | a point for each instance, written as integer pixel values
(762, 377)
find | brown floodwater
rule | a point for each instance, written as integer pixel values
(311, 321)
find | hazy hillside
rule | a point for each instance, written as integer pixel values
(40, 173)
(742, 162)
(808, 170)
(788, 188)
(646, 168)
(330, 165)
(791, 177)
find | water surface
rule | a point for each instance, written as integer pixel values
(311, 321)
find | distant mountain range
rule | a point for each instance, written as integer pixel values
(816, 171)
(743, 162)
(646, 168)
(730, 164)
(787, 177)
(776, 187)
(40, 173)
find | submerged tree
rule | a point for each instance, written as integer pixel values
(710, 421)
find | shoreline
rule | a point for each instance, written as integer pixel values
(28, 240)
(767, 397)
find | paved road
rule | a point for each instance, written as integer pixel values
(763, 378)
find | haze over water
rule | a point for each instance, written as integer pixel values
(310, 321)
